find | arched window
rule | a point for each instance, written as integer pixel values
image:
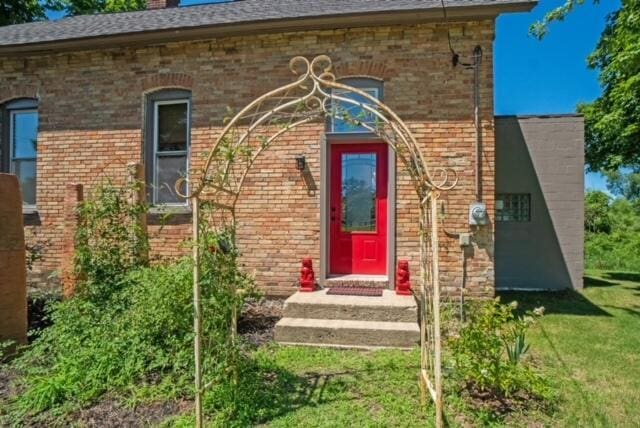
(167, 144)
(344, 114)
(20, 145)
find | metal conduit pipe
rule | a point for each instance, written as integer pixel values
(477, 63)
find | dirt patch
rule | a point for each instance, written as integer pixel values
(6, 380)
(258, 320)
(500, 405)
(110, 412)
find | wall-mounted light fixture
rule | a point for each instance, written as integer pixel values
(301, 163)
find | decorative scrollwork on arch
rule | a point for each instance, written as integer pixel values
(310, 98)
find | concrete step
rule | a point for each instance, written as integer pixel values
(320, 305)
(347, 333)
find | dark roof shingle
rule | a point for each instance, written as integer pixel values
(219, 14)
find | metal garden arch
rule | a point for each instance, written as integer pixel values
(311, 98)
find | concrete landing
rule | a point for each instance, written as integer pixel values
(319, 319)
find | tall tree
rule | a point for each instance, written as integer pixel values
(85, 7)
(613, 120)
(20, 11)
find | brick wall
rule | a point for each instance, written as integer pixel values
(91, 122)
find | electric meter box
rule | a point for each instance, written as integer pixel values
(478, 214)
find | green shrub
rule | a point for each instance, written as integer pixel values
(130, 328)
(616, 251)
(488, 352)
(612, 226)
(110, 241)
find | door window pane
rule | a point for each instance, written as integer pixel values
(172, 127)
(346, 116)
(168, 170)
(359, 192)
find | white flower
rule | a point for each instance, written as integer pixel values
(539, 311)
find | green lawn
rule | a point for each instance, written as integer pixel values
(588, 344)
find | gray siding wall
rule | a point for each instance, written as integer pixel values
(542, 156)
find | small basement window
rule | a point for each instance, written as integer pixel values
(513, 207)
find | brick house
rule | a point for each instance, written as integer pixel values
(98, 92)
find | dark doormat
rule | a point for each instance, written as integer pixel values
(355, 291)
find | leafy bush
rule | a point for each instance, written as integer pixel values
(612, 240)
(487, 353)
(110, 240)
(130, 326)
(616, 251)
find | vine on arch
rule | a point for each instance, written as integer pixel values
(312, 97)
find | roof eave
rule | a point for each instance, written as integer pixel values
(271, 26)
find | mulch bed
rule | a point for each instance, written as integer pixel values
(258, 321)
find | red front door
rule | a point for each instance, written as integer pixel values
(358, 209)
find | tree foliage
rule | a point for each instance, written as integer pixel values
(541, 28)
(84, 7)
(625, 183)
(612, 232)
(596, 212)
(21, 11)
(613, 120)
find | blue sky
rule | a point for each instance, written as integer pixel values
(548, 76)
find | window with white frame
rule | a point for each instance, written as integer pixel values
(352, 117)
(168, 146)
(20, 145)
(513, 207)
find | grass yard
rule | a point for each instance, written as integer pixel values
(588, 345)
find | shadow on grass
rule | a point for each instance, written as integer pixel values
(592, 282)
(623, 276)
(265, 391)
(635, 311)
(568, 302)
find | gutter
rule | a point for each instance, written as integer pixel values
(336, 21)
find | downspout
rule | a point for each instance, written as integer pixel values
(477, 62)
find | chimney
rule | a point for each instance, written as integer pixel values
(162, 4)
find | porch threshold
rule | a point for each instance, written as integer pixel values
(357, 277)
(357, 280)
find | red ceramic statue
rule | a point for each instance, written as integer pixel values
(307, 277)
(403, 282)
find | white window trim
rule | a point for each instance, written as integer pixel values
(376, 92)
(12, 159)
(186, 152)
